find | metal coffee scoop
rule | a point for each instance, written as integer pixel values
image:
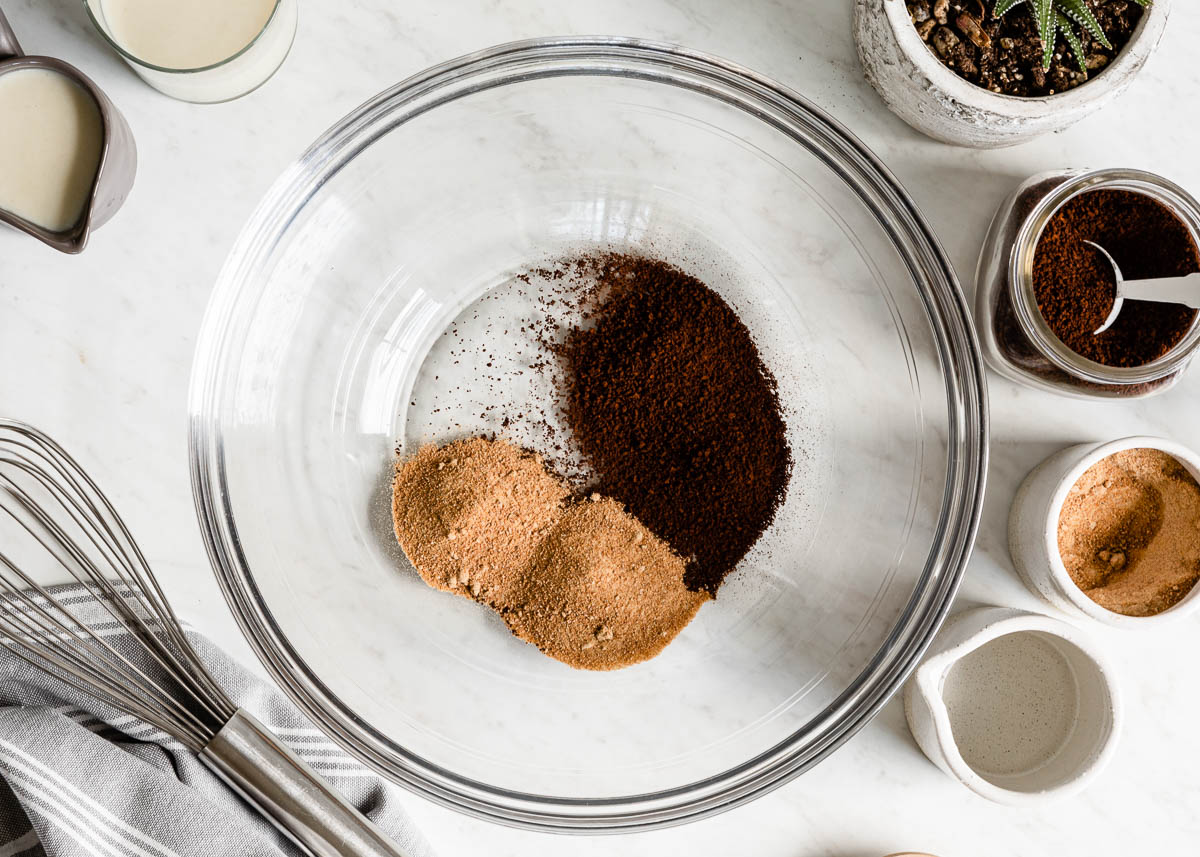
(118, 153)
(1164, 290)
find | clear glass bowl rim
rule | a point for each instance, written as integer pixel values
(958, 355)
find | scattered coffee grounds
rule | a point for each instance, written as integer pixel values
(1129, 532)
(1004, 54)
(670, 402)
(1075, 287)
(581, 579)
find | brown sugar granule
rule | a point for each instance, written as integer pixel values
(1075, 287)
(1129, 532)
(671, 404)
(581, 579)
(603, 592)
(468, 512)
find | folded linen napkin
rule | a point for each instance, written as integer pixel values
(79, 778)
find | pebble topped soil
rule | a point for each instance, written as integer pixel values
(1004, 54)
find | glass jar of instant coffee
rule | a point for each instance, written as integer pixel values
(1019, 342)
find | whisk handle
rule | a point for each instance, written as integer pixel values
(290, 794)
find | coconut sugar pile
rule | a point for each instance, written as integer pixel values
(580, 578)
(1129, 532)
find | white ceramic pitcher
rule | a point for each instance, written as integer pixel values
(1078, 702)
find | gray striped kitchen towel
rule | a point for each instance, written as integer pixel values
(79, 778)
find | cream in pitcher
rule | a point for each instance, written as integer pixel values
(50, 147)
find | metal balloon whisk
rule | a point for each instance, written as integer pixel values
(53, 516)
(50, 498)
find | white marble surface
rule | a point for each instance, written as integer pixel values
(97, 350)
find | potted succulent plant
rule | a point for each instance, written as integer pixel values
(990, 73)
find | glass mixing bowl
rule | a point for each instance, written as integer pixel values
(325, 346)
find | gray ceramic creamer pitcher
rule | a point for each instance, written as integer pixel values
(118, 154)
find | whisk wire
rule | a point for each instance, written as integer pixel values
(136, 572)
(74, 678)
(130, 567)
(135, 575)
(38, 626)
(52, 632)
(81, 657)
(117, 605)
(26, 637)
(62, 511)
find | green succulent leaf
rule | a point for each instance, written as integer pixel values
(1068, 30)
(1079, 12)
(1142, 3)
(1043, 16)
(1060, 16)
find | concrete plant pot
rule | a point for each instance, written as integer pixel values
(933, 99)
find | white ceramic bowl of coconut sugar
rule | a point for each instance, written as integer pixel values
(1018, 707)
(1158, 573)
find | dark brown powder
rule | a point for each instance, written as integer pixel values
(1074, 284)
(672, 405)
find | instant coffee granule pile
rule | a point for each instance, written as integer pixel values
(581, 579)
(671, 404)
(1129, 532)
(1075, 287)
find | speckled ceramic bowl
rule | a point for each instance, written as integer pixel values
(1038, 765)
(1033, 531)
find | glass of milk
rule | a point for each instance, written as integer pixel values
(199, 50)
